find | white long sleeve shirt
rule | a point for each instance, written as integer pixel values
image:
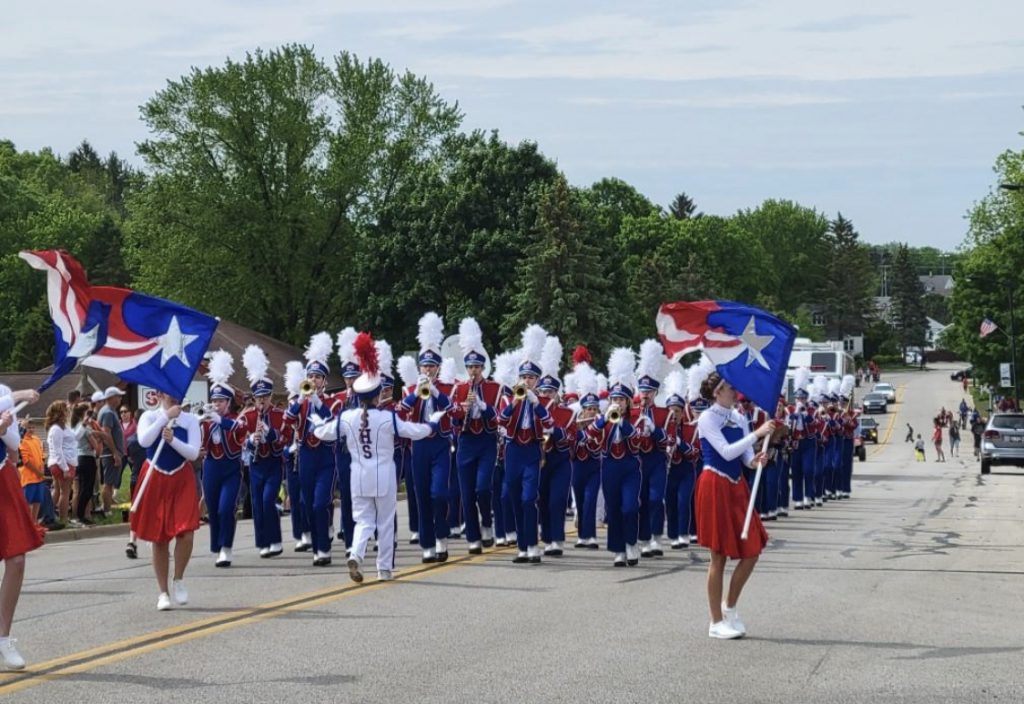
(151, 423)
(372, 448)
(57, 449)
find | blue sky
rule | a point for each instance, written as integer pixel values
(892, 112)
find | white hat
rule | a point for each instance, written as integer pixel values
(97, 396)
(112, 392)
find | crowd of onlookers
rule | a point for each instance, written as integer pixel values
(947, 422)
(72, 463)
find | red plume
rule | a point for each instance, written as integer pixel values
(580, 355)
(366, 353)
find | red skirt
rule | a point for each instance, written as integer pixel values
(19, 534)
(169, 506)
(721, 507)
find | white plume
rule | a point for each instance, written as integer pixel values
(586, 379)
(620, 367)
(319, 349)
(834, 386)
(551, 356)
(505, 366)
(569, 383)
(385, 357)
(675, 384)
(820, 386)
(801, 378)
(221, 367)
(471, 337)
(446, 374)
(846, 387)
(431, 332)
(602, 382)
(534, 337)
(651, 361)
(696, 376)
(255, 361)
(408, 370)
(294, 373)
(346, 345)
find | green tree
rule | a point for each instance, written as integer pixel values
(560, 285)
(267, 172)
(908, 316)
(849, 294)
(683, 208)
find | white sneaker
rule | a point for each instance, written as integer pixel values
(163, 602)
(12, 658)
(224, 558)
(385, 576)
(180, 593)
(723, 631)
(632, 554)
(732, 617)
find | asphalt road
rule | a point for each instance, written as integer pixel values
(909, 592)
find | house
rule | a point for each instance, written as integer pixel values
(939, 284)
(229, 336)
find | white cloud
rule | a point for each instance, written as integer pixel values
(731, 100)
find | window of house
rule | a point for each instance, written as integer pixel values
(818, 320)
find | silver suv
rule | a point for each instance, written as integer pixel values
(1003, 441)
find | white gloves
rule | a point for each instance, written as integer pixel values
(531, 396)
(436, 416)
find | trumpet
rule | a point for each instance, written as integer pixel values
(307, 388)
(519, 391)
(424, 390)
(614, 414)
(205, 411)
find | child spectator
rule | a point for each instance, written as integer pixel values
(937, 441)
(33, 477)
(919, 448)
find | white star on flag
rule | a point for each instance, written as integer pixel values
(173, 343)
(755, 343)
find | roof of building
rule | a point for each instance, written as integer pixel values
(942, 284)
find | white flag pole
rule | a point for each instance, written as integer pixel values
(753, 490)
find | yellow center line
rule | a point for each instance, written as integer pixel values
(892, 423)
(92, 658)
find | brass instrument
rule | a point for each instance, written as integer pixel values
(307, 388)
(614, 414)
(424, 390)
(519, 391)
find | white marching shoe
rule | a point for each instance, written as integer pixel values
(732, 617)
(511, 537)
(632, 555)
(655, 547)
(163, 602)
(533, 554)
(264, 552)
(12, 658)
(180, 593)
(224, 558)
(275, 549)
(723, 631)
(619, 560)
(414, 539)
(487, 536)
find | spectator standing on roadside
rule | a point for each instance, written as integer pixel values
(919, 448)
(954, 440)
(87, 444)
(59, 455)
(136, 455)
(977, 428)
(112, 457)
(33, 478)
(937, 441)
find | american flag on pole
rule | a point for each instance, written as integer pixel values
(987, 327)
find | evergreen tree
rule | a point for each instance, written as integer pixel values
(561, 285)
(848, 294)
(683, 208)
(908, 316)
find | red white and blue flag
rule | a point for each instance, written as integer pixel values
(749, 347)
(987, 327)
(142, 339)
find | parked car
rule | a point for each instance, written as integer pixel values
(869, 430)
(875, 403)
(961, 373)
(1002, 443)
(887, 390)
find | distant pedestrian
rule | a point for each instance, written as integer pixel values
(940, 456)
(910, 434)
(919, 448)
(977, 428)
(954, 440)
